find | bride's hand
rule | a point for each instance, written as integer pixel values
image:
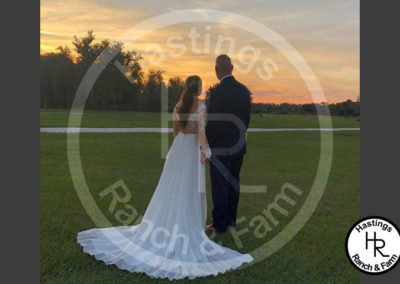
(203, 159)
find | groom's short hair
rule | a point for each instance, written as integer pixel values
(223, 63)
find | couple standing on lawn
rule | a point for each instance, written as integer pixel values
(171, 242)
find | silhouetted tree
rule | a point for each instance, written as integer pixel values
(58, 80)
(118, 86)
(175, 88)
(152, 93)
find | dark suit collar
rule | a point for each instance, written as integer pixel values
(227, 79)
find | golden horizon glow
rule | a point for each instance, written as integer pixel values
(326, 34)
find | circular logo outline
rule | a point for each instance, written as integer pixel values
(348, 236)
(266, 34)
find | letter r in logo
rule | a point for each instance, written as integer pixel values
(375, 240)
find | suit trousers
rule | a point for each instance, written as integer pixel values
(225, 182)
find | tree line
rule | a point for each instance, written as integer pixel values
(346, 108)
(61, 74)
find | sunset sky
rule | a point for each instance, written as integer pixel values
(324, 32)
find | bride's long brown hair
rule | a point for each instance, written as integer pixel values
(192, 87)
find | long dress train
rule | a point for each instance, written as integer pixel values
(170, 241)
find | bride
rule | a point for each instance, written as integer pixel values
(170, 242)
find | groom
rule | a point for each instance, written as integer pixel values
(230, 100)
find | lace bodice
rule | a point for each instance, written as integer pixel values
(192, 119)
(196, 124)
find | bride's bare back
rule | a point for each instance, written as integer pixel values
(196, 122)
(190, 127)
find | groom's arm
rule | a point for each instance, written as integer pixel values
(247, 106)
(214, 107)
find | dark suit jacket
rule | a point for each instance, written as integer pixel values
(229, 97)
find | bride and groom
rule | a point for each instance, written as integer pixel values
(171, 240)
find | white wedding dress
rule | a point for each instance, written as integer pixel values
(170, 242)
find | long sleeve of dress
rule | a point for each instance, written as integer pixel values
(175, 118)
(201, 131)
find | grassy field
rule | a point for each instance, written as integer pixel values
(59, 118)
(315, 255)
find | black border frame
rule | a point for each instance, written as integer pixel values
(347, 239)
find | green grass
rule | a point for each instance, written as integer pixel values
(315, 255)
(59, 118)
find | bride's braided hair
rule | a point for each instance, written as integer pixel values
(186, 100)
